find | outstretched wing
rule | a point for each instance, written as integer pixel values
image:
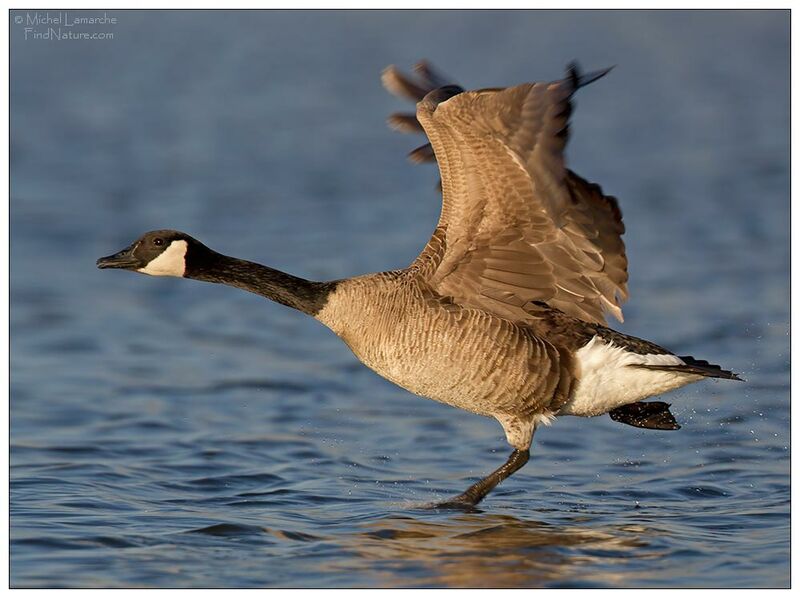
(516, 225)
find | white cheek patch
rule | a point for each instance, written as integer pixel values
(171, 261)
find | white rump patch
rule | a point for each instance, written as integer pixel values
(170, 262)
(606, 379)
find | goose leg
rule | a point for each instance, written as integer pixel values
(476, 493)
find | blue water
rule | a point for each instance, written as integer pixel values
(178, 434)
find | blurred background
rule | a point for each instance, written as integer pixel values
(171, 433)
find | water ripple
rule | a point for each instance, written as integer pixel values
(168, 433)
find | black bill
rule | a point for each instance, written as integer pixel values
(123, 259)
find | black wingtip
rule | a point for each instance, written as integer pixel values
(573, 73)
(582, 80)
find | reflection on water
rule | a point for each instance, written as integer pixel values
(485, 550)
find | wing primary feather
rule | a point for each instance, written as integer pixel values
(430, 76)
(404, 123)
(579, 80)
(423, 153)
(400, 85)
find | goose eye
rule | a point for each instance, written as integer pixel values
(158, 242)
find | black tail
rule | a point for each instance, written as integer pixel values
(695, 366)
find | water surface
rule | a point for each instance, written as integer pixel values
(172, 433)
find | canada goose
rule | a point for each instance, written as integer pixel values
(503, 312)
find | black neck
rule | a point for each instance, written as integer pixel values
(301, 294)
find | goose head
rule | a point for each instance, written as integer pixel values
(159, 253)
(173, 253)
